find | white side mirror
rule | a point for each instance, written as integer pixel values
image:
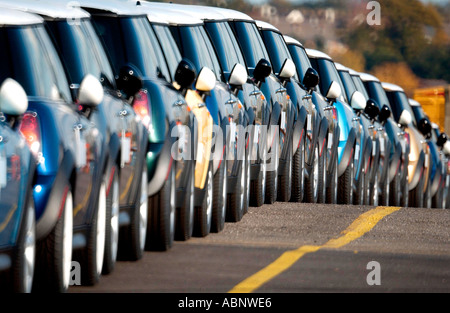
(13, 98)
(206, 80)
(334, 91)
(447, 147)
(358, 102)
(238, 75)
(405, 118)
(91, 91)
(288, 69)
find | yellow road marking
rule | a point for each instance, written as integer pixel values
(363, 224)
(8, 217)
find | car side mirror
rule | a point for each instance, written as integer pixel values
(384, 114)
(405, 118)
(13, 98)
(206, 80)
(129, 81)
(238, 75)
(185, 74)
(334, 91)
(425, 128)
(357, 101)
(311, 79)
(262, 70)
(372, 109)
(90, 93)
(288, 69)
(441, 140)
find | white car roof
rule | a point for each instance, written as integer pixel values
(341, 67)
(290, 40)
(414, 103)
(11, 17)
(265, 25)
(368, 78)
(391, 87)
(316, 54)
(113, 6)
(52, 9)
(175, 14)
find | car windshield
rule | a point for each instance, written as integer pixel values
(376, 92)
(81, 51)
(130, 40)
(196, 46)
(28, 56)
(360, 86)
(251, 43)
(399, 102)
(226, 45)
(300, 59)
(278, 51)
(349, 86)
(169, 46)
(328, 73)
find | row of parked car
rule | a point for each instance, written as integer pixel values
(126, 125)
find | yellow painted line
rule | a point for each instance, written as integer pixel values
(8, 217)
(363, 224)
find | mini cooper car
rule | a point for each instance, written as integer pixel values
(351, 132)
(328, 130)
(138, 61)
(417, 179)
(66, 144)
(17, 213)
(399, 149)
(364, 179)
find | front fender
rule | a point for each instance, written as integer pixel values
(346, 152)
(298, 127)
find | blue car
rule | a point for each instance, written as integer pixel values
(328, 130)
(65, 143)
(351, 133)
(17, 174)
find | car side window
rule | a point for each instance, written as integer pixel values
(169, 46)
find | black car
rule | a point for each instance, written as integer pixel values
(139, 67)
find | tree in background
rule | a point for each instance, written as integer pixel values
(399, 74)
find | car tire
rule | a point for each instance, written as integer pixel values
(54, 253)
(203, 213)
(184, 222)
(322, 183)
(235, 201)
(161, 216)
(132, 236)
(345, 184)
(298, 173)
(285, 180)
(331, 192)
(112, 223)
(311, 181)
(272, 176)
(258, 185)
(416, 196)
(358, 196)
(219, 209)
(247, 183)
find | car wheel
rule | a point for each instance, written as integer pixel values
(184, 222)
(416, 196)
(345, 184)
(258, 186)
(358, 196)
(395, 189)
(54, 253)
(235, 201)
(272, 175)
(24, 259)
(285, 180)
(112, 223)
(161, 216)
(219, 198)
(298, 173)
(247, 183)
(132, 237)
(311, 181)
(203, 213)
(331, 192)
(322, 183)
(374, 193)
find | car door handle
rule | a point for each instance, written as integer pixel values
(328, 108)
(178, 103)
(307, 97)
(281, 90)
(356, 119)
(255, 93)
(231, 102)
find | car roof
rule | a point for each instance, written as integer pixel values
(365, 77)
(391, 87)
(12, 17)
(174, 14)
(121, 8)
(291, 40)
(52, 9)
(316, 54)
(265, 25)
(414, 103)
(341, 67)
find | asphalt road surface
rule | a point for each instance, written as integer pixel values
(300, 248)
